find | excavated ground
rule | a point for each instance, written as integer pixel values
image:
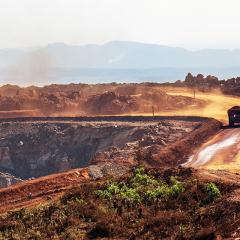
(31, 148)
(22, 135)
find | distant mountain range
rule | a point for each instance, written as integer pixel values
(125, 60)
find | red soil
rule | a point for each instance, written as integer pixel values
(33, 192)
(21, 113)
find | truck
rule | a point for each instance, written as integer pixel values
(234, 116)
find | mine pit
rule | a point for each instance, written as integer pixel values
(33, 148)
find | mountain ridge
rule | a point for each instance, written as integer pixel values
(126, 55)
(116, 61)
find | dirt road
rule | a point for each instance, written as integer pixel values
(223, 150)
(216, 107)
(220, 152)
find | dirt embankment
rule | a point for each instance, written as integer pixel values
(33, 192)
(179, 152)
(83, 99)
(21, 113)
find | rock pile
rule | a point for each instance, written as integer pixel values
(110, 103)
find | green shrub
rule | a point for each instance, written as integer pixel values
(103, 194)
(141, 186)
(159, 192)
(142, 179)
(177, 187)
(212, 190)
(119, 191)
(165, 191)
(113, 188)
(131, 195)
(139, 170)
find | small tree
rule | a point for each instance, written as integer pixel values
(191, 81)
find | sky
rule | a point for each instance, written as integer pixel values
(193, 24)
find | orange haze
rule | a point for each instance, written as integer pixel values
(216, 106)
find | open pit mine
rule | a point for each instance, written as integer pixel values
(30, 148)
(118, 160)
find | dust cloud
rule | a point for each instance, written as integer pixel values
(212, 104)
(33, 68)
(216, 105)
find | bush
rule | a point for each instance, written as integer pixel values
(103, 194)
(142, 179)
(177, 187)
(165, 191)
(113, 188)
(159, 192)
(212, 190)
(141, 186)
(130, 195)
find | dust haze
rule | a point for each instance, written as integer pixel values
(216, 105)
(34, 68)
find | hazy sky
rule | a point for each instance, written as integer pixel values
(187, 23)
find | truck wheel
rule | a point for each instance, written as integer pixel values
(231, 123)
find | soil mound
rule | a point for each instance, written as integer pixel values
(83, 99)
(110, 103)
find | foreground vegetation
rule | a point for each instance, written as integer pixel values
(144, 204)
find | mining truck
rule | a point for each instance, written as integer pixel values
(234, 115)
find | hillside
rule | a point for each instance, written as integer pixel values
(143, 204)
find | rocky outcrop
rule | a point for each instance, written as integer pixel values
(7, 179)
(5, 159)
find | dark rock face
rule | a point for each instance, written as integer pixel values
(40, 149)
(33, 149)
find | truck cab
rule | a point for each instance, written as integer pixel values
(234, 116)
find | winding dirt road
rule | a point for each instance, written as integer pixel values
(220, 152)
